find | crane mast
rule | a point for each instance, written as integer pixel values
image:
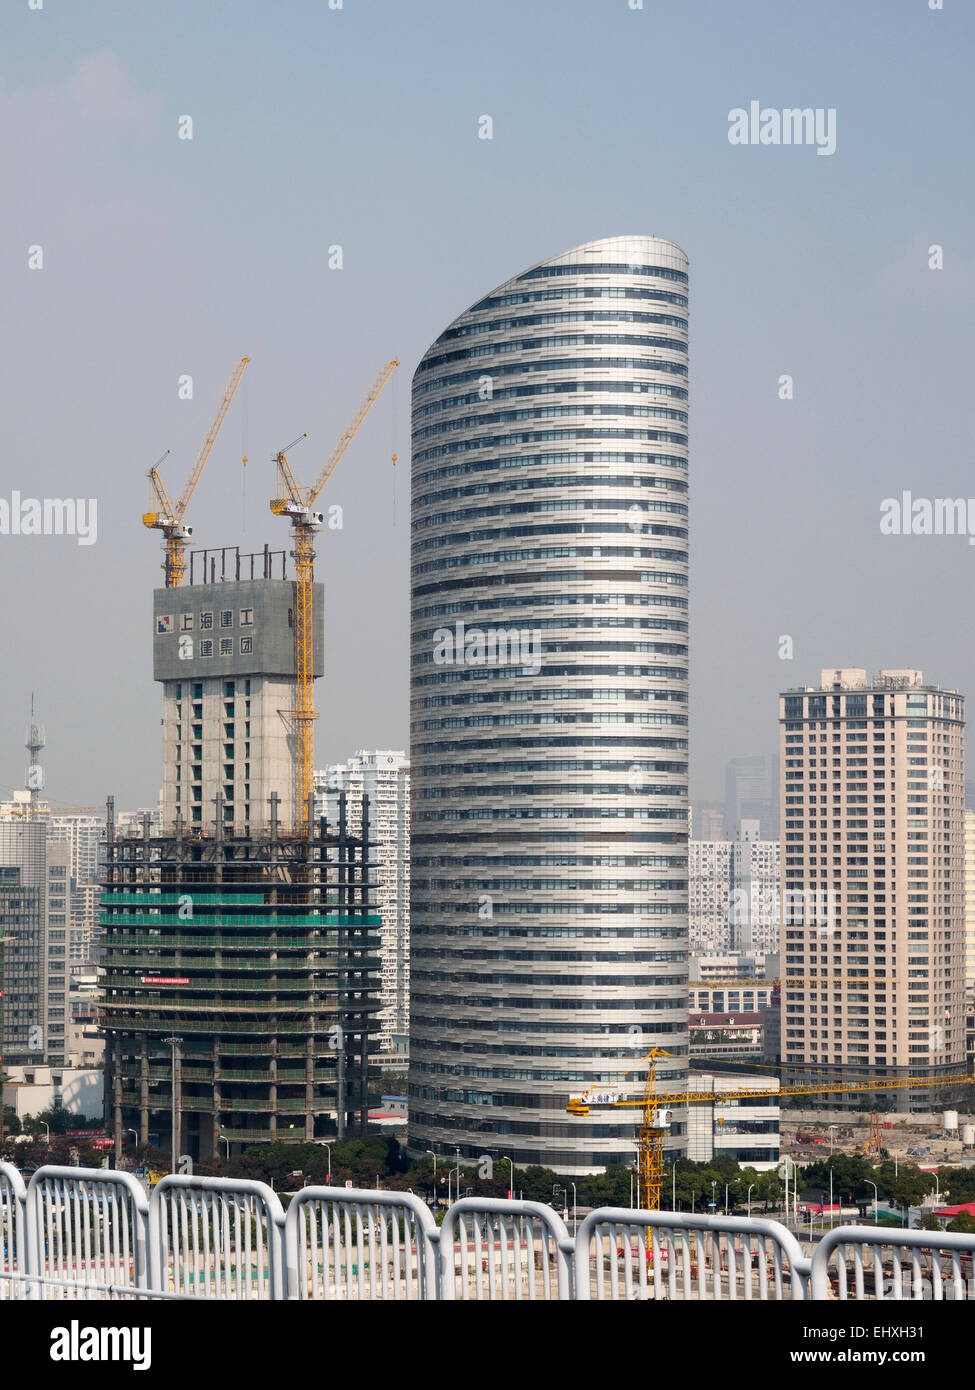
(296, 503)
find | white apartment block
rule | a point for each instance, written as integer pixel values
(733, 892)
(872, 811)
(709, 894)
(383, 776)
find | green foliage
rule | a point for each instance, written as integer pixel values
(964, 1223)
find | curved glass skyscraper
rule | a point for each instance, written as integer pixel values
(549, 706)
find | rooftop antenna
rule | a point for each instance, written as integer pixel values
(35, 773)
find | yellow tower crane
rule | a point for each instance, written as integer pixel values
(169, 519)
(654, 1117)
(297, 502)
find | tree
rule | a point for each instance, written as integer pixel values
(964, 1223)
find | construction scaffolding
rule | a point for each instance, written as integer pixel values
(240, 982)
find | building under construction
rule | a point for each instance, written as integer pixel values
(240, 974)
(240, 954)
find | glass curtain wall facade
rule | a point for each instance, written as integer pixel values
(549, 707)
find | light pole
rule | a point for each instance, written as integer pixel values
(457, 1151)
(328, 1160)
(511, 1180)
(134, 1132)
(575, 1221)
(831, 1198)
(831, 1128)
(714, 1183)
(726, 1199)
(47, 1136)
(750, 1186)
(937, 1186)
(673, 1174)
(631, 1189)
(174, 1042)
(226, 1140)
(874, 1186)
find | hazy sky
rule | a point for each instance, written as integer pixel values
(359, 127)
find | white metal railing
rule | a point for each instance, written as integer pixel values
(492, 1249)
(216, 1238)
(86, 1233)
(13, 1253)
(902, 1265)
(346, 1243)
(622, 1254)
(76, 1233)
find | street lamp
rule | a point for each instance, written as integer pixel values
(726, 1199)
(673, 1174)
(831, 1128)
(174, 1043)
(574, 1220)
(874, 1186)
(328, 1160)
(434, 1157)
(750, 1186)
(134, 1132)
(511, 1180)
(226, 1140)
(47, 1137)
(714, 1183)
(831, 1197)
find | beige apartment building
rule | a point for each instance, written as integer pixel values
(873, 929)
(969, 900)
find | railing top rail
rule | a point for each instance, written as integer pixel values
(363, 1197)
(10, 1175)
(695, 1221)
(555, 1227)
(501, 1206)
(892, 1235)
(103, 1177)
(243, 1187)
(905, 1238)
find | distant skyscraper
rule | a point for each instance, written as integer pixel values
(872, 873)
(549, 705)
(751, 793)
(706, 820)
(384, 777)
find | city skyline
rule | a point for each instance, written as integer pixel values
(785, 246)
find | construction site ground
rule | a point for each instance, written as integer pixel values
(909, 1139)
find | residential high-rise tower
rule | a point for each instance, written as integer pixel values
(549, 705)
